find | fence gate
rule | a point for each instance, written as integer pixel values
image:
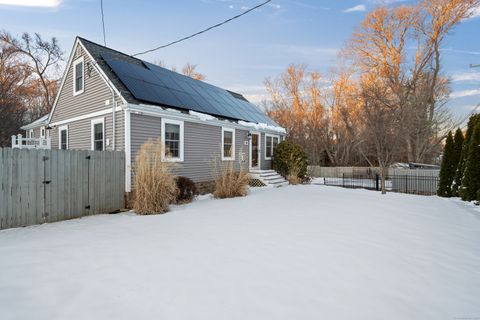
(38, 186)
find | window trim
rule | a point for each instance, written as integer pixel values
(77, 61)
(44, 135)
(272, 136)
(31, 134)
(232, 158)
(92, 132)
(60, 129)
(182, 140)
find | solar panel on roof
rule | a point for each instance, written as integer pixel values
(153, 84)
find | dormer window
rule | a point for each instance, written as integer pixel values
(78, 76)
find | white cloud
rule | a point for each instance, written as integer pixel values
(466, 76)
(359, 8)
(32, 3)
(464, 93)
(475, 13)
(274, 5)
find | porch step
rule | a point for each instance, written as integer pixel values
(269, 177)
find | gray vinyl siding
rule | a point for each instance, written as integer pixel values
(80, 133)
(264, 164)
(201, 150)
(142, 129)
(96, 92)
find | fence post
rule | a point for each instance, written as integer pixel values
(377, 182)
(343, 180)
(406, 183)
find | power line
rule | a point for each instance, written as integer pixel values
(204, 30)
(103, 24)
(468, 116)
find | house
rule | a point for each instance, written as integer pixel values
(109, 100)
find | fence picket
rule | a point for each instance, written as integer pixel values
(74, 183)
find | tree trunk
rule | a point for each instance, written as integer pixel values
(383, 176)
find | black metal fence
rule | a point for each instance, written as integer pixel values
(412, 184)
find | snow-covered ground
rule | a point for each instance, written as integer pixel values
(305, 252)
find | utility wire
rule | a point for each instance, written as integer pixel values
(103, 24)
(463, 123)
(204, 30)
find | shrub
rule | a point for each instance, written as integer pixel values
(290, 159)
(187, 190)
(447, 171)
(471, 177)
(154, 185)
(462, 163)
(230, 183)
(293, 175)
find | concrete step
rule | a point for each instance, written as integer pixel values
(274, 178)
(280, 184)
(270, 178)
(262, 171)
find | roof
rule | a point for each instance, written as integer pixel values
(141, 82)
(42, 121)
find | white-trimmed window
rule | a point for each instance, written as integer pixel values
(271, 142)
(63, 137)
(30, 133)
(173, 140)
(228, 144)
(78, 76)
(98, 134)
(42, 132)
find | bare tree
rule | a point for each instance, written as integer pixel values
(189, 70)
(12, 108)
(414, 79)
(42, 59)
(298, 103)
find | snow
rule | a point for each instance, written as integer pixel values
(262, 126)
(202, 116)
(297, 252)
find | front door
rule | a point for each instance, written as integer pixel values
(255, 150)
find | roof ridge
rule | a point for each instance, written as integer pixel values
(105, 47)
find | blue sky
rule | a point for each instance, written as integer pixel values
(241, 54)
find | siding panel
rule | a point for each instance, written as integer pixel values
(91, 100)
(80, 133)
(201, 150)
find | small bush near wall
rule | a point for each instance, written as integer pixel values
(155, 187)
(290, 160)
(187, 190)
(230, 183)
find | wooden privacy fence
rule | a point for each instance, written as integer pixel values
(38, 186)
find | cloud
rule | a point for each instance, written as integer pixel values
(450, 50)
(464, 93)
(466, 76)
(31, 3)
(475, 13)
(358, 8)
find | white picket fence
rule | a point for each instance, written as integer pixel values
(20, 142)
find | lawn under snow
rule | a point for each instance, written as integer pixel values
(305, 252)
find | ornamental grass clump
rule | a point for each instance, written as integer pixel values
(154, 185)
(230, 183)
